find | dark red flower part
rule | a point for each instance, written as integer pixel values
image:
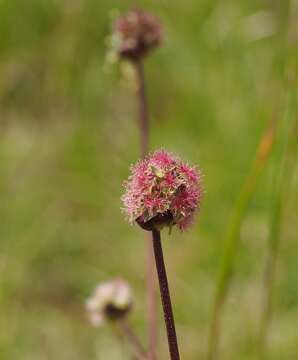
(138, 32)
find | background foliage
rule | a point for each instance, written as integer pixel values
(67, 138)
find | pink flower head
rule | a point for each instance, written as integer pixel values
(136, 33)
(162, 191)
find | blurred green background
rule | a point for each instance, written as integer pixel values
(67, 137)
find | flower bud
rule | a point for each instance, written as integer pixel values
(136, 33)
(110, 301)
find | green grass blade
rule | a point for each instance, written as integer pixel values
(232, 237)
(283, 169)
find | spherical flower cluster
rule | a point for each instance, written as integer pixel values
(162, 191)
(110, 301)
(135, 33)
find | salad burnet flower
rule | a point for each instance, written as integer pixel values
(162, 191)
(135, 34)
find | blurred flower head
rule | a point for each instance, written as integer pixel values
(162, 191)
(135, 34)
(110, 301)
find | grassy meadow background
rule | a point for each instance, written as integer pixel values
(67, 137)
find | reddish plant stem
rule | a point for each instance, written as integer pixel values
(143, 123)
(151, 301)
(138, 348)
(143, 116)
(165, 296)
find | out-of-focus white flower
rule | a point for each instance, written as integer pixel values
(110, 301)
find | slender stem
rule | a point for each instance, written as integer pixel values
(284, 165)
(232, 238)
(267, 304)
(215, 329)
(143, 116)
(151, 302)
(143, 123)
(139, 350)
(165, 296)
(281, 184)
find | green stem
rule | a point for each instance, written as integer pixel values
(282, 177)
(283, 169)
(232, 239)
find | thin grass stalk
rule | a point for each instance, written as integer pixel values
(283, 169)
(143, 123)
(165, 296)
(232, 238)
